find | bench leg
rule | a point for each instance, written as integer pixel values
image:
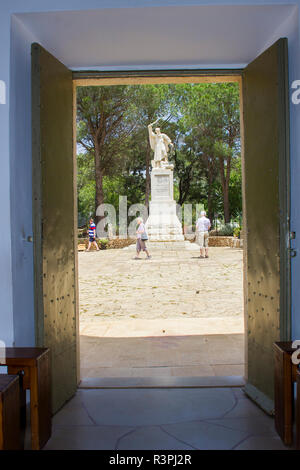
(284, 397)
(10, 427)
(40, 403)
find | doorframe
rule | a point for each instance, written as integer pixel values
(153, 77)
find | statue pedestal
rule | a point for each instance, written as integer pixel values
(163, 223)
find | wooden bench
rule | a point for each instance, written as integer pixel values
(286, 374)
(33, 364)
(10, 422)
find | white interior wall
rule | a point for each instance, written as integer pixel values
(15, 175)
(6, 308)
(158, 37)
(21, 184)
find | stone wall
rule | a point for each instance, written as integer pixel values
(225, 241)
(232, 242)
(107, 244)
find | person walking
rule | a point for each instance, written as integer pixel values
(92, 235)
(202, 227)
(141, 237)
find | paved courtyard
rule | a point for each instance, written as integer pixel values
(173, 315)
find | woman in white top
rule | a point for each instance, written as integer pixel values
(141, 237)
(202, 227)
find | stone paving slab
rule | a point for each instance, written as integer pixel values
(206, 355)
(173, 284)
(162, 327)
(129, 308)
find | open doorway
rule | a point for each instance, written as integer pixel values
(266, 212)
(176, 315)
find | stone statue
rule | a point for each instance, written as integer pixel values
(159, 143)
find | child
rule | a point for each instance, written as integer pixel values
(92, 235)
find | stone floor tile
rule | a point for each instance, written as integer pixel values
(245, 408)
(262, 443)
(206, 435)
(141, 407)
(86, 437)
(239, 393)
(263, 425)
(170, 419)
(128, 372)
(160, 382)
(192, 371)
(151, 438)
(72, 414)
(155, 351)
(228, 369)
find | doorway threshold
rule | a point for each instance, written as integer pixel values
(162, 382)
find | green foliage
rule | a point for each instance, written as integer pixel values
(102, 243)
(85, 186)
(235, 189)
(226, 231)
(201, 119)
(208, 136)
(237, 232)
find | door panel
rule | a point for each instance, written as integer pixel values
(53, 219)
(266, 163)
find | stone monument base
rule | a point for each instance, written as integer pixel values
(163, 223)
(168, 246)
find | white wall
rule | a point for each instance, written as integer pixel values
(21, 184)
(294, 74)
(6, 309)
(15, 174)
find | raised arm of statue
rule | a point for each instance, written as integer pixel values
(152, 124)
(152, 135)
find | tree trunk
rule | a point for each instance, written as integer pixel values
(99, 196)
(148, 180)
(225, 188)
(209, 196)
(227, 215)
(180, 187)
(226, 204)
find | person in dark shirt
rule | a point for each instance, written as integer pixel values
(92, 235)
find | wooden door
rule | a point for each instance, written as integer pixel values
(54, 220)
(267, 212)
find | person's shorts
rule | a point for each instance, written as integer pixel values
(92, 239)
(202, 239)
(140, 245)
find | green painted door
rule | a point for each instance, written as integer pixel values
(266, 191)
(54, 220)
